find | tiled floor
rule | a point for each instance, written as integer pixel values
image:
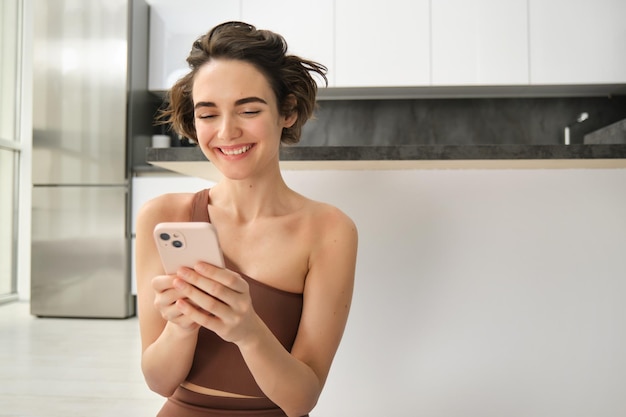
(70, 367)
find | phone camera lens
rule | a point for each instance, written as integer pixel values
(164, 236)
(177, 244)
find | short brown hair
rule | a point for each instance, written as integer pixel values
(267, 51)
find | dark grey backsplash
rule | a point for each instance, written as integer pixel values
(531, 121)
(481, 121)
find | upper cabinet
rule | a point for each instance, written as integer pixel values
(309, 29)
(174, 28)
(482, 42)
(382, 43)
(577, 42)
(417, 43)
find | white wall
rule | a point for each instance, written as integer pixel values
(481, 293)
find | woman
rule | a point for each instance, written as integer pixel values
(256, 338)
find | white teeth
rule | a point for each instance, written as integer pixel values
(236, 151)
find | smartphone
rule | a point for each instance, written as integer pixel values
(186, 243)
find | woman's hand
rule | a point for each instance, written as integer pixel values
(218, 299)
(165, 302)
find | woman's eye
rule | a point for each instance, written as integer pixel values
(205, 116)
(250, 112)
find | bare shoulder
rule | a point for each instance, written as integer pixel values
(166, 208)
(331, 225)
(329, 215)
(173, 207)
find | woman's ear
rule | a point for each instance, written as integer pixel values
(290, 110)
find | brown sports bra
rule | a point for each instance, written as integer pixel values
(218, 364)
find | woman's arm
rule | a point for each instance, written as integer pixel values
(168, 338)
(295, 381)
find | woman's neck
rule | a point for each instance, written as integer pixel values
(248, 199)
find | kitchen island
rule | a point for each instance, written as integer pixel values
(501, 283)
(190, 160)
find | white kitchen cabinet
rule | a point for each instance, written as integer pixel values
(308, 27)
(577, 42)
(483, 42)
(174, 26)
(382, 43)
(415, 43)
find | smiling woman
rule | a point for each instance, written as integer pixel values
(256, 338)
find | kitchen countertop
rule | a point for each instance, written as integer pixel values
(191, 161)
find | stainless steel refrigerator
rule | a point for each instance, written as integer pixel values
(86, 71)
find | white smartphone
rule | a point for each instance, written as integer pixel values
(186, 243)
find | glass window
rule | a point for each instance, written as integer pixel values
(7, 221)
(9, 47)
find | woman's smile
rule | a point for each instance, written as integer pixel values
(235, 150)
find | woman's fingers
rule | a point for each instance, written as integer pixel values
(225, 277)
(221, 297)
(165, 301)
(200, 317)
(222, 284)
(199, 297)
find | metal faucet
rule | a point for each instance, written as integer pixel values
(581, 118)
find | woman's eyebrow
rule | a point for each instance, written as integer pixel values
(204, 104)
(250, 100)
(239, 102)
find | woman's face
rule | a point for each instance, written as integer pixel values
(237, 121)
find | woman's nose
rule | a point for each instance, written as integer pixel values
(228, 129)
